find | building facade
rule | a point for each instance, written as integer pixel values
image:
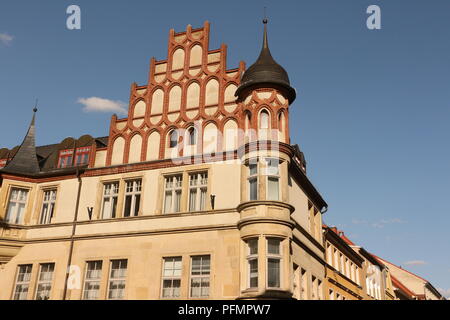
(197, 193)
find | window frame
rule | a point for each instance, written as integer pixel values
(172, 277)
(17, 282)
(113, 209)
(83, 153)
(274, 256)
(255, 177)
(200, 276)
(86, 280)
(270, 175)
(176, 187)
(136, 190)
(18, 202)
(51, 203)
(201, 187)
(249, 258)
(172, 143)
(45, 281)
(111, 279)
(63, 155)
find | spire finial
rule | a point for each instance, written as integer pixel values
(265, 16)
(35, 106)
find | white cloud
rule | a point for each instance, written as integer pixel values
(377, 224)
(95, 104)
(415, 263)
(383, 222)
(6, 38)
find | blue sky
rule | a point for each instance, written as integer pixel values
(371, 115)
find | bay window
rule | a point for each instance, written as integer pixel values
(252, 262)
(273, 263)
(273, 179)
(253, 181)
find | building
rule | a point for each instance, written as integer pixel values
(344, 269)
(198, 193)
(409, 286)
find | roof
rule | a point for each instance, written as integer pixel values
(25, 159)
(266, 71)
(29, 160)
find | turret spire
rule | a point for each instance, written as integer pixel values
(266, 72)
(25, 160)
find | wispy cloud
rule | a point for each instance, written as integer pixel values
(445, 292)
(378, 224)
(96, 104)
(415, 263)
(6, 39)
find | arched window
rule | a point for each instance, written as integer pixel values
(173, 139)
(264, 120)
(192, 136)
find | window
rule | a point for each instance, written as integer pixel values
(336, 259)
(172, 194)
(273, 263)
(295, 282)
(252, 261)
(198, 186)
(253, 181)
(48, 206)
(2, 163)
(331, 294)
(117, 278)
(22, 282)
(82, 156)
(132, 198)
(110, 193)
(264, 119)
(16, 206)
(173, 139)
(273, 177)
(200, 270)
(192, 136)
(65, 158)
(171, 277)
(92, 280)
(44, 285)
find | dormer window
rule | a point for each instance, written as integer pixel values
(82, 156)
(65, 158)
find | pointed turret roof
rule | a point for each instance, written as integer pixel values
(25, 160)
(266, 72)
